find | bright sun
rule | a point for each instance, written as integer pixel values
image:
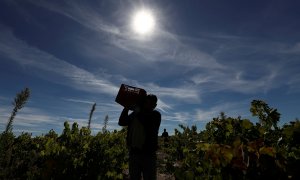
(143, 22)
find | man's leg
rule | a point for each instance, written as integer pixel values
(149, 166)
(135, 166)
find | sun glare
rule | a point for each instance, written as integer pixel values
(143, 22)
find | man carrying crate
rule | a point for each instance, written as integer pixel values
(142, 138)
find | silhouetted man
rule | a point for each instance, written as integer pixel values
(165, 135)
(142, 138)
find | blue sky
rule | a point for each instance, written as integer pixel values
(203, 57)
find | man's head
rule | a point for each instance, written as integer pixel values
(150, 102)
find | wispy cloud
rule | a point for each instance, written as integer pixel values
(198, 116)
(232, 109)
(78, 101)
(178, 117)
(166, 47)
(163, 106)
(78, 78)
(184, 93)
(250, 65)
(28, 118)
(80, 12)
(108, 107)
(236, 81)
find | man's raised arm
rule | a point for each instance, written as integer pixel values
(124, 118)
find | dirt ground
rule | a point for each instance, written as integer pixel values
(165, 177)
(160, 159)
(160, 176)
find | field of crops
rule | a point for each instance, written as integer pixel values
(228, 148)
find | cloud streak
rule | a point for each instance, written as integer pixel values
(81, 13)
(78, 101)
(232, 109)
(29, 56)
(28, 118)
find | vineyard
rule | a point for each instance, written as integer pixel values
(228, 148)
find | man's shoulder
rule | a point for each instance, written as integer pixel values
(156, 115)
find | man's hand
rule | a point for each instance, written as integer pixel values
(125, 109)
